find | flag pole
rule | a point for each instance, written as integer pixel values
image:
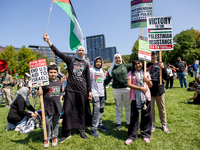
(49, 16)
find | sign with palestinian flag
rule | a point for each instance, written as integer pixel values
(144, 53)
(140, 10)
(38, 73)
(76, 35)
(160, 35)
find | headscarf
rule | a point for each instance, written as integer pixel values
(76, 56)
(24, 92)
(96, 60)
(114, 64)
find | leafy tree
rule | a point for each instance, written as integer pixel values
(126, 58)
(25, 55)
(62, 70)
(9, 54)
(134, 51)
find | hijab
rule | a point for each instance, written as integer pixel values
(114, 64)
(24, 92)
(76, 56)
(96, 60)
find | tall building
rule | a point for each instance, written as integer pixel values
(96, 47)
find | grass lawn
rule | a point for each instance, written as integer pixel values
(183, 122)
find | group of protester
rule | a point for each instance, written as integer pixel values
(130, 84)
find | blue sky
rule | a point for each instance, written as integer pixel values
(23, 22)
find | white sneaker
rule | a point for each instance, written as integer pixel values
(54, 142)
(46, 144)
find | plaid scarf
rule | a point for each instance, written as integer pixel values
(140, 96)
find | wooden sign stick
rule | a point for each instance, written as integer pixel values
(160, 58)
(43, 115)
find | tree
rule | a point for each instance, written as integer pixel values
(25, 55)
(134, 51)
(62, 70)
(9, 54)
(126, 58)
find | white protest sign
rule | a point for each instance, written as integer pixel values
(160, 33)
(140, 10)
(39, 74)
(144, 53)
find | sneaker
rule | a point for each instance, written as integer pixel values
(165, 128)
(17, 129)
(62, 139)
(146, 140)
(118, 126)
(153, 128)
(83, 135)
(8, 126)
(103, 128)
(46, 144)
(128, 141)
(94, 133)
(54, 142)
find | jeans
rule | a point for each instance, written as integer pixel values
(98, 109)
(55, 120)
(182, 78)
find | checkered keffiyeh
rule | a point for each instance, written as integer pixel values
(140, 96)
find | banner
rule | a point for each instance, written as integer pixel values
(38, 73)
(160, 35)
(140, 10)
(144, 53)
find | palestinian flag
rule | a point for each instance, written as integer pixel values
(17, 76)
(76, 35)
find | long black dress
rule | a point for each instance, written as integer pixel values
(76, 107)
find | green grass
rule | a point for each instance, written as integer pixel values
(183, 122)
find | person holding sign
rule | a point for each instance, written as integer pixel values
(157, 90)
(141, 102)
(118, 71)
(76, 107)
(52, 105)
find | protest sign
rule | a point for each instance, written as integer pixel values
(144, 53)
(38, 73)
(39, 77)
(140, 10)
(160, 33)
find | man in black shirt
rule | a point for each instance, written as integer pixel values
(181, 68)
(157, 90)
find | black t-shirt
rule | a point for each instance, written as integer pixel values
(51, 96)
(181, 65)
(154, 71)
(17, 111)
(79, 73)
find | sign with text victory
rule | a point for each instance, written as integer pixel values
(39, 73)
(160, 36)
(140, 10)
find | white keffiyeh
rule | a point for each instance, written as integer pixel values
(140, 96)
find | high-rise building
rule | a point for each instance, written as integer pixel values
(96, 47)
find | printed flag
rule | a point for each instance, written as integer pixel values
(76, 35)
(17, 76)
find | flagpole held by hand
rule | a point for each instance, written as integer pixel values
(49, 16)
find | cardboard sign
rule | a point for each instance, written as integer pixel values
(160, 35)
(144, 53)
(140, 10)
(38, 73)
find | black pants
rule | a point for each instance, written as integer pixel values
(146, 122)
(67, 133)
(171, 80)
